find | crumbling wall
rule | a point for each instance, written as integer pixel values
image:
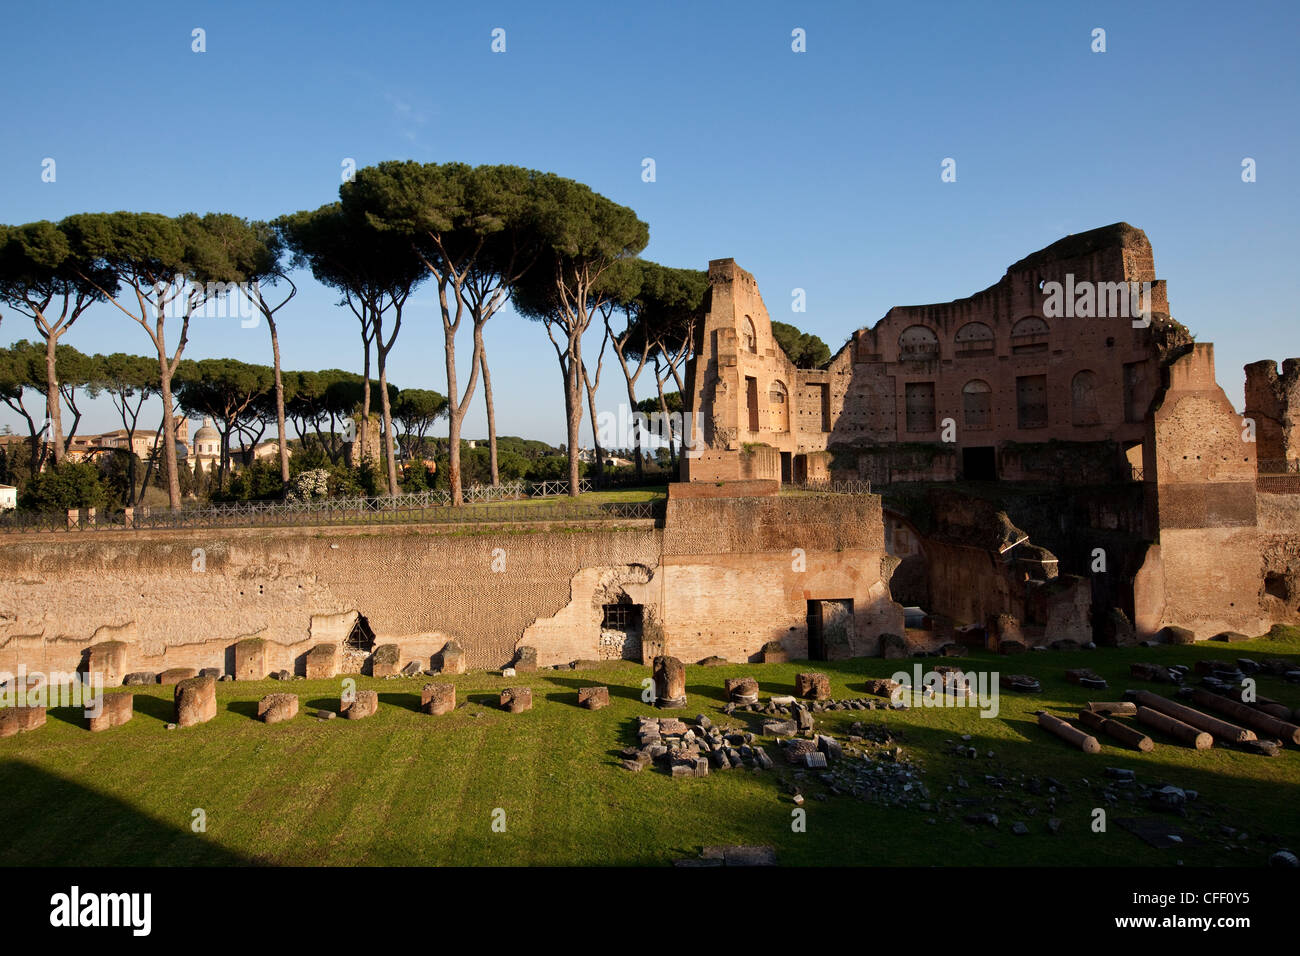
(1273, 402)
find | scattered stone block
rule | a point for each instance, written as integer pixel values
(323, 662)
(412, 669)
(638, 762)
(780, 728)
(893, 646)
(1230, 637)
(274, 708)
(774, 652)
(364, 704)
(386, 661)
(812, 686)
(830, 747)
(714, 661)
(517, 699)
(213, 672)
(1079, 675)
(114, 711)
(453, 658)
(1022, 683)
(109, 659)
(1176, 635)
(174, 675)
(525, 660)
(814, 760)
(670, 682)
(438, 699)
(1011, 647)
(797, 749)
(1157, 673)
(16, 720)
(195, 700)
(882, 687)
(250, 659)
(593, 698)
(139, 679)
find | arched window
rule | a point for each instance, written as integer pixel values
(1029, 335)
(778, 404)
(1083, 398)
(973, 338)
(918, 342)
(751, 337)
(977, 404)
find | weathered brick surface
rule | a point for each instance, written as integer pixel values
(517, 699)
(274, 708)
(115, 710)
(195, 700)
(322, 662)
(364, 704)
(438, 698)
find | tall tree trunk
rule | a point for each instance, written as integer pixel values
(595, 428)
(52, 405)
(361, 431)
(279, 402)
(491, 411)
(387, 426)
(455, 414)
(169, 430)
(573, 411)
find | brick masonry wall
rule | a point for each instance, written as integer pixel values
(719, 577)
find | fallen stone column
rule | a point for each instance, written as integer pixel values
(1121, 732)
(1069, 733)
(1175, 728)
(1113, 708)
(1219, 728)
(1248, 715)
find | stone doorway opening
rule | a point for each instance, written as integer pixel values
(830, 629)
(979, 464)
(357, 646)
(620, 629)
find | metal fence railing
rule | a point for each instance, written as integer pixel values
(515, 502)
(849, 487)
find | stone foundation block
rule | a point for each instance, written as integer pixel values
(274, 708)
(438, 699)
(196, 701)
(114, 711)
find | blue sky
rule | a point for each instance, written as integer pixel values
(816, 170)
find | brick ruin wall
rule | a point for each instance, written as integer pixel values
(880, 404)
(717, 579)
(1273, 401)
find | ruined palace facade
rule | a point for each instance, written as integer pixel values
(1090, 388)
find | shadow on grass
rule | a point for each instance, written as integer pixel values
(615, 690)
(39, 804)
(409, 702)
(159, 708)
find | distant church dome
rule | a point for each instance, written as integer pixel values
(207, 432)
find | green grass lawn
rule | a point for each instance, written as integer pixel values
(405, 788)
